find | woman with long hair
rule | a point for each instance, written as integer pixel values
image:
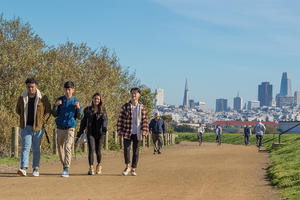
(95, 121)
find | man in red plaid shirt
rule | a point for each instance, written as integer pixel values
(133, 127)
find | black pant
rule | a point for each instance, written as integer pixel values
(135, 152)
(259, 140)
(95, 143)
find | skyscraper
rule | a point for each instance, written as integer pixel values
(237, 103)
(286, 86)
(265, 94)
(186, 96)
(285, 98)
(297, 98)
(221, 105)
(192, 103)
(159, 99)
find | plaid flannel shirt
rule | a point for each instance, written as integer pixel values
(124, 126)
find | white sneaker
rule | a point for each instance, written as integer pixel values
(65, 174)
(35, 173)
(133, 173)
(22, 172)
(126, 171)
(99, 169)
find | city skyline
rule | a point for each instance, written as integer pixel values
(285, 89)
(220, 47)
(265, 95)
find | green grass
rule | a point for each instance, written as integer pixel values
(284, 171)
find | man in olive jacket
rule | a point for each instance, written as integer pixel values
(34, 110)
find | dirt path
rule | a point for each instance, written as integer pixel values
(185, 171)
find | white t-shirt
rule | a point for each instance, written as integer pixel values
(201, 130)
(134, 119)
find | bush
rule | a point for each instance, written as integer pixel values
(112, 145)
(184, 128)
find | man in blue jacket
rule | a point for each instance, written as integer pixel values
(66, 110)
(158, 129)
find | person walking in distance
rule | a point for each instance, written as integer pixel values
(260, 130)
(95, 121)
(34, 110)
(133, 127)
(218, 134)
(247, 134)
(157, 128)
(67, 110)
(200, 131)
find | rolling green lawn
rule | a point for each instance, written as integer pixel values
(284, 171)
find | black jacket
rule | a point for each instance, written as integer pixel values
(86, 122)
(157, 126)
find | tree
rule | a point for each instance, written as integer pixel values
(168, 120)
(147, 99)
(24, 54)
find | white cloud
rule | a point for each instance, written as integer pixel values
(266, 25)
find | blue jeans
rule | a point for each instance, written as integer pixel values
(28, 137)
(247, 137)
(219, 138)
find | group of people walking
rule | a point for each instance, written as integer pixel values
(259, 129)
(201, 130)
(34, 110)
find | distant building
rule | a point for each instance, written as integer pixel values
(265, 94)
(286, 86)
(285, 101)
(273, 103)
(297, 98)
(192, 103)
(253, 104)
(221, 105)
(159, 99)
(186, 96)
(202, 105)
(285, 98)
(237, 103)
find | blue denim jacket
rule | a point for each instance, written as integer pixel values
(66, 113)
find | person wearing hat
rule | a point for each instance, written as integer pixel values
(158, 129)
(34, 110)
(260, 129)
(67, 110)
(132, 126)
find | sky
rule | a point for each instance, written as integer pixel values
(220, 47)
